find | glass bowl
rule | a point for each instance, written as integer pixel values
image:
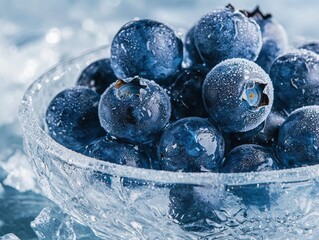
(122, 202)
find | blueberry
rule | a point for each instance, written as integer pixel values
(251, 158)
(193, 207)
(265, 134)
(97, 76)
(191, 145)
(226, 33)
(119, 153)
(134, 110)
(72, 117)
(311, 46)
(148, 49)
(192, 55)
(295, 76)
(186, 93)
(274, 39)
(237, 95)
(298, 139)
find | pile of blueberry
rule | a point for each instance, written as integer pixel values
(233, 97)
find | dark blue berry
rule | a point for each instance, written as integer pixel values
(186, 93)
(274, 38)
(298, 139)
(193, 207)
(225, 33)
(119, 153)
(191, 145)
(192, 55)
(134, 110)
(97, 76)
(72, 117)
(311, 46)
(148, 49)
(295, 76)
(251, 158)
(265, 134)
(237, 95)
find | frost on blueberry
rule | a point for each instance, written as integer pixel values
(148, 49)
(134, 110)
(72, 117)
(274, 38)
(225, 33)
(295, 76)
(237, 95)
(298, 139)
(191, 145)
(97, 76)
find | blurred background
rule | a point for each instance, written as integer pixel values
(35, 35)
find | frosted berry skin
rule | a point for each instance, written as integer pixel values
(225, 33)
(186, 93)
(237, 95)
(134, 110)
(72, 118)
(98, 76)
(192, 54)
(311, 46)
(298, 139)
(191, 145)
(274, 39)
(295, 76)
(148, 49)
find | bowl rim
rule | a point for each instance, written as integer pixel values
(32, 131)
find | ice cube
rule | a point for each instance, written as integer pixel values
(9, 236)
(20, 175)
(53, 224)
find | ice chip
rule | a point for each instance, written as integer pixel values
(20, 175)
(53, 224)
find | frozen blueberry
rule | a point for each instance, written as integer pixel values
(186, 93)
(237, 95)
(251, 158)
(225, 33)
(97, 76)
(72, 117)
(193, 207)
(191, 145)
(311, 46)
(265, 134)
(298, 139)
(134, 110)
(295, 76)
(148, 49)
(274, 38)
(192, 54)
(116, 152)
